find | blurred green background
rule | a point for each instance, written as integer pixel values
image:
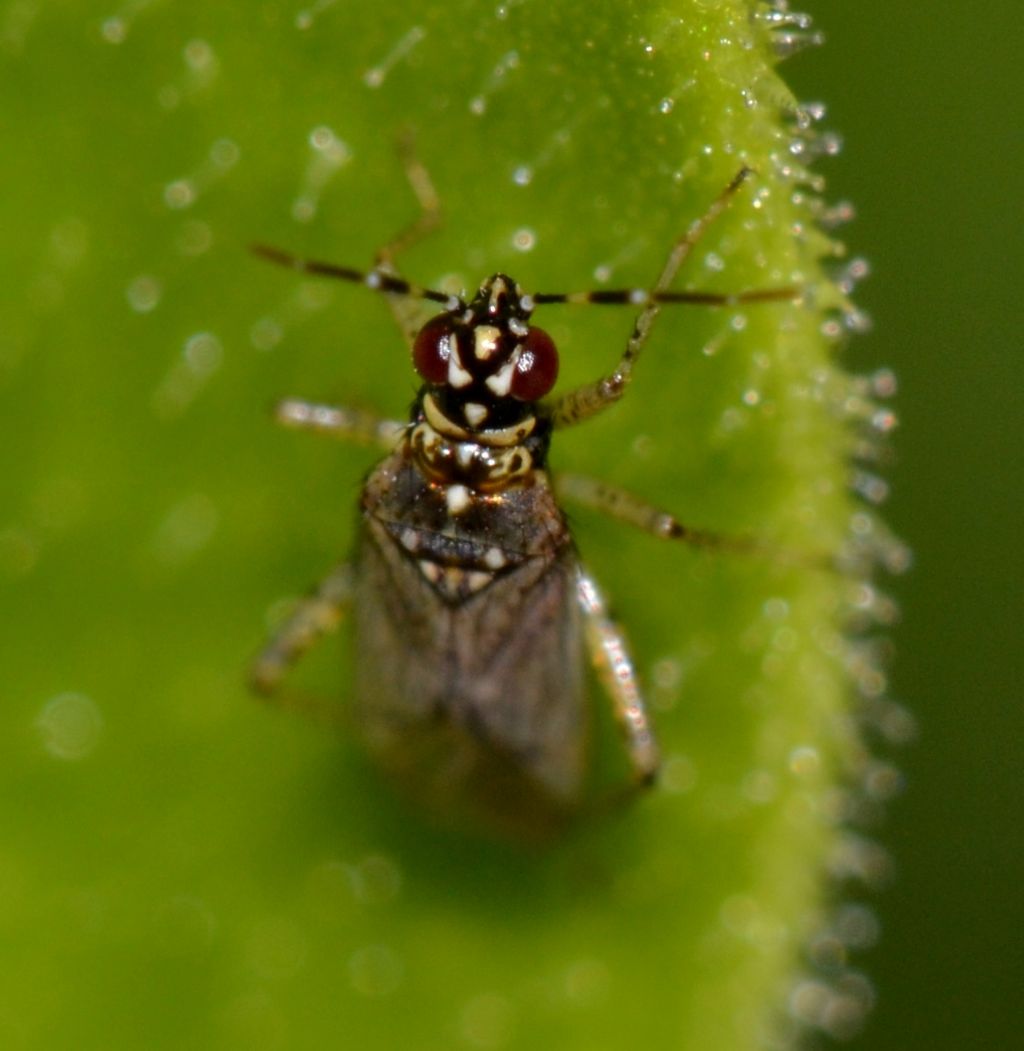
(927, 99)
(928, 105)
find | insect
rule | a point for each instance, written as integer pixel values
(474, 619)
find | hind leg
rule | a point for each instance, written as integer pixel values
(315, 616)
(608, 651)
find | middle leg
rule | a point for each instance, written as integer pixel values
(627, 507)
(353, 425)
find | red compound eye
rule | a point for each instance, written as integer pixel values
(537, 368)
(432, 348)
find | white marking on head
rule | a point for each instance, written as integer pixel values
(465, 452)
(486, 341)
(500, 383)
(475, 413)
(457, 375)
(499, 291)
(410, 539)
(458, 499)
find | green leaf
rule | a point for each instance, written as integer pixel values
(186, 868)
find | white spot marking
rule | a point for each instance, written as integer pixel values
(457, 375)
(431, 570)
(494, 558)
(410, 540)
(486, 341)
(499, 291)
(458, 499)
(477, 579)
(501, 382)
(475, 413)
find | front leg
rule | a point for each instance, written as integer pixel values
(350, 425)
(627, 507)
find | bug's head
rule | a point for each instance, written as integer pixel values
(486, 359)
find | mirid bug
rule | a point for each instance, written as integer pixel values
(474, 619)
